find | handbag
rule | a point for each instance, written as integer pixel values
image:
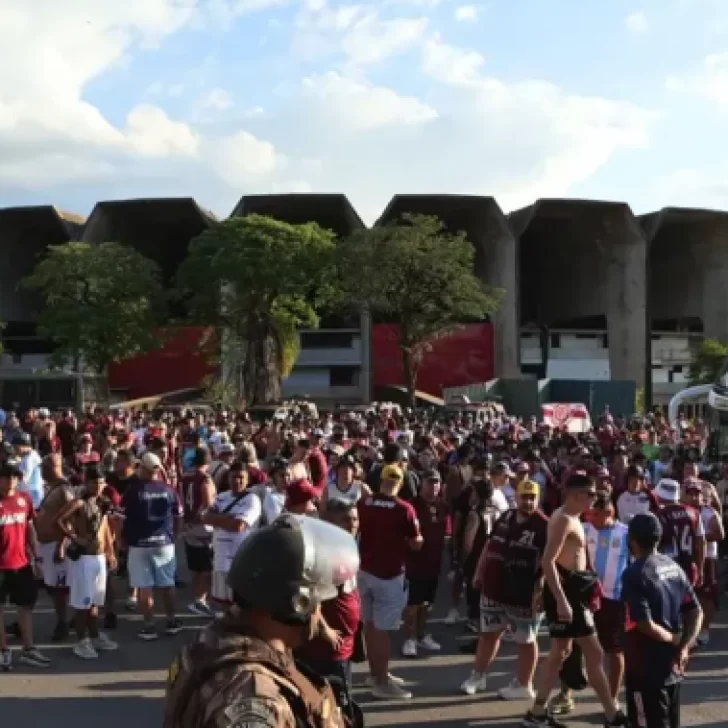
(74, 550)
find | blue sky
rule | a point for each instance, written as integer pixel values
(214, 99)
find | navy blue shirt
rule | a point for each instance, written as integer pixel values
(654, 588)
(150, 509)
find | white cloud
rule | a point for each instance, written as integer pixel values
(637, 22)
(218, 99)
(466, 13)
(710, 82)
(152, 133)
(240, 158)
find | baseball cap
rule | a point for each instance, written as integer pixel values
(300, 492)
(22, 439)
(635, 471)
(645, 529)
(226, 449)
(392, 472)
(527, 487)
(433, 474)
(150, 461)
(11, 469)
(668, 490)
(503, 468)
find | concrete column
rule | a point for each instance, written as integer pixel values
(626, 294)
(712, 264)
(365, 377)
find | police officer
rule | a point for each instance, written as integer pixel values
(664, 622)
(240, 672)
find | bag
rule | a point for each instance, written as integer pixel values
(74, 551)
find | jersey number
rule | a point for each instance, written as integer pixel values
(685, 538)
(526, 538)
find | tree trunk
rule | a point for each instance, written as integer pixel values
(410, 375)
(262, 374)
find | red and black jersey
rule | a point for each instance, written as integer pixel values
(681, 529)
(193, 487)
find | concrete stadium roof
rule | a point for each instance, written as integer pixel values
(453, 210)
(331, 211)
(668, 218)
(67, 224)
(576, 212)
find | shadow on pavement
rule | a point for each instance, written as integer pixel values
(111, 712)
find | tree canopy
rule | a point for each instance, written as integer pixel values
(101, 303)
(710, 360)
(417, 275)
(259, 280)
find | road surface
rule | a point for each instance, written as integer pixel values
(125, 689)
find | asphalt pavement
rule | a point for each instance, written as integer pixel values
(125, 689)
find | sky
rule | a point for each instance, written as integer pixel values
(214, 99)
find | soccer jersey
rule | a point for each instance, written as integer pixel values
(609, 555)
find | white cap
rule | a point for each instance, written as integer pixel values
(150, 461)
(668, 490)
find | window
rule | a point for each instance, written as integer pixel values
(327, 340)
(344, 377)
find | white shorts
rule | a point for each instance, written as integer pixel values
(87, 579)
(55, 576)
(220, 591)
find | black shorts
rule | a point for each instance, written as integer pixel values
(199, 558)
(653, 708)
(19, 587)
(421, 591)
(582, 621)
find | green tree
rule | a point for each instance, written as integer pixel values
(709, 362)
(420, 277)
(259, 280)
(101, 303)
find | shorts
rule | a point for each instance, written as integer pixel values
(709, 588)
(55, 576)
(421, 591)
(382, 600)
(653, 708)
(199, 558)
(610, 623)
(19, 587)
(220, 591)
(152, 566)
(582, 621)
(87, 582)
(496, 617)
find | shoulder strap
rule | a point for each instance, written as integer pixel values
(233, 502)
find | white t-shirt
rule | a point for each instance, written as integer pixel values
(273, 504)
(225, 543)
(707, 514)
(509, 494)
(630, 504)
(499, 501)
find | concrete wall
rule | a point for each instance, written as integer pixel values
(25, 233)
(582, 259)
(483, 222)
(160, 229)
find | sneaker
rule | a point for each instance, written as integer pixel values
(474, 684)
(429, 644)
(540, 721)
(201, 609)
(390, 691)
(392, 678)
(6, 660)
(85, 650)
(110, 621)
(131, 604)
(60, 632)
(33, 656)
(409, 649)
(561, 704)
(148, 633)
(453, 616)
(516, 691)
(103, 643)
(174, 626)
(703, 638)
(620, 720)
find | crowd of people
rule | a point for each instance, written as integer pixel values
(611, 538)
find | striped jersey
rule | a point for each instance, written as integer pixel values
(609, 555)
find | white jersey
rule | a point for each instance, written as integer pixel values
(609, 555)
(707, 514)
(630, 504)
(225, 543)
(351, 495)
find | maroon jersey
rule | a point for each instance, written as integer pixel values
(512, 558)
(193, 486)
(681, 529)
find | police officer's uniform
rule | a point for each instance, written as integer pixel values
(229, 677)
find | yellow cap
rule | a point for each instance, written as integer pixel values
(527, 487)
(392, 472)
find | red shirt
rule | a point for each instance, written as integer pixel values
(343, 615)
(386, 524)
(16, 512)
(192, 490)
(426, 563)
(680, 529)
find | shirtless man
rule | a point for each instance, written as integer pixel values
(567, 601)
(51, 540)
